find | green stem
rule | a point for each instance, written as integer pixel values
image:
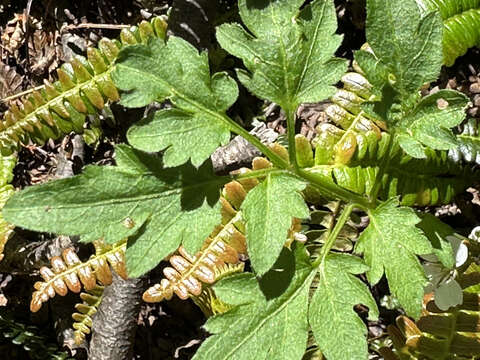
(334, 234)
(292, 151)
(255, 173)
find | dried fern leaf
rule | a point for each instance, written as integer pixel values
(83, 86)
(69, 273)
(188, 272)
(86, 310)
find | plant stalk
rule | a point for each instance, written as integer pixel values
(292, 151)
(334, 234)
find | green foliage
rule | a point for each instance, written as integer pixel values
(31, 339)
(268, 211)
(159, 208)
(461, 23)
(389, 145)
(338, 330)
(154, 72)
(391, 242)
(288, 63)
(7, 164)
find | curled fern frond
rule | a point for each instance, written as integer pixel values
(69, 273)
(83, 86)
(461, 30)
(84, 317)
(469, 140)
(6, 191)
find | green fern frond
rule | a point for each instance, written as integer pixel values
(31, 339)
(6, 191)
(70, 273)
(461, 19)
(83, 86)
(86, 310)
(469, 140)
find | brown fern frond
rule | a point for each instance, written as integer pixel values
(83, 86)
(69, 273)
(188, 272)
(86, 310)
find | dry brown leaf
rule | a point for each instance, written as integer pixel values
(10, 81)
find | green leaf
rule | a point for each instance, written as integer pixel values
(410, 46)
(430, 122)
(289, 57)
(437, 232)
(157, 208)
(390, 244)
(271, 321)
(268, 210)
(176, 71)
(183, 134)
(339, 332)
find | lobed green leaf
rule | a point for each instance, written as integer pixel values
(268, 210)
(339, 332)
(157, 208)
(174, 70)
(289, 57)
(390, 244)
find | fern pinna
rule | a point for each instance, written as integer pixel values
(69, 273)
(461, 25)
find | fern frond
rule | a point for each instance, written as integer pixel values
(83, 86)
(6, 191)
(31, 338)
(86, 310)
(461, 31)
(70, 273)
(440, 335)
(443, 334)
(469, 140)
(188, 272)
(353, 127)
